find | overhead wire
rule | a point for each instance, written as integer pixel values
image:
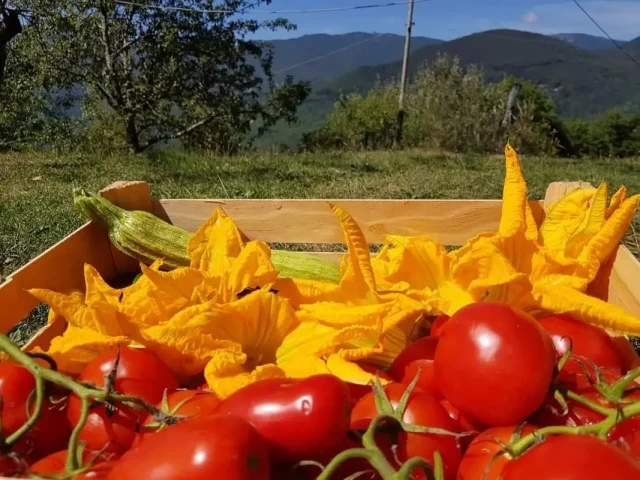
(269, 12)
(595, 22)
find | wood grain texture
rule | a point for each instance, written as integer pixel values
(134, 195)
(60, 268)
(451, 222)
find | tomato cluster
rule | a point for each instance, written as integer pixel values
(473, 400)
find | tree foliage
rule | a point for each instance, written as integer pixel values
(163, 73)
(448, 107)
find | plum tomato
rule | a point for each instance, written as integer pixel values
(423, 410)
(482, 459)
(217, 446)
(50, 433)
(55, 463)
(357, 391)
(192, 404)
(572, 457)
(301, 419)
(494, 363)
(438, 325)
(140, 374)
(418, 355)
(587, 342)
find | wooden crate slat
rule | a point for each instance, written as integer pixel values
(59, 268)
(624, 284)
(451, 222)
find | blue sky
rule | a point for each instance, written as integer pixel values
(448, 19)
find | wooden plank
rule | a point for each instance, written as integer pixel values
(451, 222)
(59, 268)
(133, 195)
(624, 286)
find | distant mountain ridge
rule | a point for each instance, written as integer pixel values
(323, 56)
(582, 77)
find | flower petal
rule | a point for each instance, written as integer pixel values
(561, 299)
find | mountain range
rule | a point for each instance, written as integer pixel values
(584, 74)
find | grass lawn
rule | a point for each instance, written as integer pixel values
(36, 208)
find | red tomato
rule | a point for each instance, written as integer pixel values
(481, 460)
(357, 391)
(438, 325)
(186, 403)
(139, 374)
(55, 463)
(467, 424)
(423, 410)
(51, 431)
(585, 382)
(494, 363)
(626, 436)
(218, 446)
(419, 354)
(586, 341)
(572, 457)
(102, 470)
(628, 354)
(299, 419)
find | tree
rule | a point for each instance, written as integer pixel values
(10, 26)
(166, 71)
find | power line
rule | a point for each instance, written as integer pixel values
(270, 12)
(328, 54)
(631, 57)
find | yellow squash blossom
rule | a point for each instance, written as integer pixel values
(217, 316)
(566, 259)
(351, 323)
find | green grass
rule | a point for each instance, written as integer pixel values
(34, 214)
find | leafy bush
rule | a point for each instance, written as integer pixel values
(615, 134)
(448, 107)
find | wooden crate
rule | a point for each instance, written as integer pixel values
(288, 221)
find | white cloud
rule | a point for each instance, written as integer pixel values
(621, 19)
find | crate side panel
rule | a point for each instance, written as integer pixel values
(451, 222)
(60, 268)
(624, 286)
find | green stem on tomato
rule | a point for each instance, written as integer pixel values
(73, 463)
(14, 351)
(410, 465)
(378, 460)
(596, 407)
(342, 457)
(616, 391)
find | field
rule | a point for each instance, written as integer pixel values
(36, 208)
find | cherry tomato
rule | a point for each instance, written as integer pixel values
(482, 459)
(494, 363)
(438, 325)
(418, 355)
(139, 374)
(357, 391)
(626, 436)
(423, 410)
(217, 446)
(55, 463)
(299, 419)
(586, 341)
(51, 431)
(192, 404)
(572, 457)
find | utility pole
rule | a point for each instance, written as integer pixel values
(403, 78)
